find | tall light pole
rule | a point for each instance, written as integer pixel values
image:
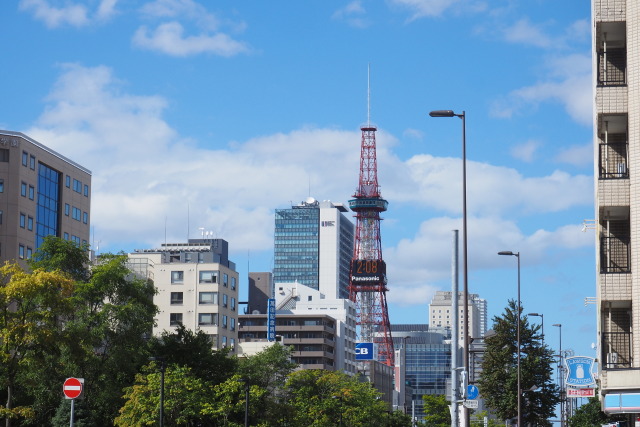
(541, 316)
(517, 255)
(465, 275)
(561, 373)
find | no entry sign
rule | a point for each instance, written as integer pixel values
(72, 388)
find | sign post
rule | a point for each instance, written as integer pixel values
(72, 389)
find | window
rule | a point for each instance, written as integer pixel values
(32, 192)
(224, 300)
(208, 277)
(4, 155)
(224, 341)
(23, 189)
(233, 342)
(66, 236)
(176, 297)
(1, 185)
(23, 220)
(177, 277)
(207, 319)
(25, 158)
(76, 213)
(233, 283)
(29, 252)
(67, 181)
(175, 319)
(77, 186)
(1, 215)
(86, 190)
(233, 324)
(21, 252)
(32, 162)
(208, 298)
(85, 217)
(224, 321)
(30, 223)
(67, 209)
(233, 303)
(225, 280)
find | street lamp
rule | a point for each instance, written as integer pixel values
(465, 275)
(541, 316)
(561, 373)
(517, 255)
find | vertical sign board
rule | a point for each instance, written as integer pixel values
(271, 319)
(364, 351)
(579, 371)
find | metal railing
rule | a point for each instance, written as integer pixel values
(616, 350)
(615, 255)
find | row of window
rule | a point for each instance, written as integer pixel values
(26, 190)
(76, 213)
(205, 319)
(205, 276)
(78, 187)
(26, 221)
(24, 252)
(29, 160)
(205, 298)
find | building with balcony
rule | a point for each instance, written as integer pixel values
(616, 63)
(41, 193)
(312, 336)
(197, 287)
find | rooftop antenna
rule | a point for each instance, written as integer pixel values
(369, 95)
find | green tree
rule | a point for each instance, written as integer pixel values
(184, 397)
(193, 349)
(590, 415)
(327, 398)
(31, 305)
(498, 381)
(436, 410)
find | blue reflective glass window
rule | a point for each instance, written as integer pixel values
(48, 203)
(25, 158)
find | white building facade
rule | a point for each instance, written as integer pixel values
(197, 287)
(441, 314)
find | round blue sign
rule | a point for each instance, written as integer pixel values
(472, 392)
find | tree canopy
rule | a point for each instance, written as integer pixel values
(498, 381)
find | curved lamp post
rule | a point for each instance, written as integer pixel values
(465, 276)
(517, 255)
(541, 316)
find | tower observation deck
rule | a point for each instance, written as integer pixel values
(368, 279)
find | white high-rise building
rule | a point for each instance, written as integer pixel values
(441, 314)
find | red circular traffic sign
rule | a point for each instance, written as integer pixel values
(72, 388)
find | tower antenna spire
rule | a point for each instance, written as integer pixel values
(369, 94)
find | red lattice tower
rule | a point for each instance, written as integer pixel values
(368, 280)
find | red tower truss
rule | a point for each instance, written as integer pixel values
(368, 280)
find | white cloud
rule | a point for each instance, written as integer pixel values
(525, 151)
(526, 33)
(424, 8)
(169, 38)
(70, 13)
(149, 182)
(353, 14)
(187, 9)
(568, 83)
(577, 155)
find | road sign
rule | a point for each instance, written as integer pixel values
(581, 392)
(472, 392)
(72, 387)
(579, 371)
(364, 351)
(471, 404)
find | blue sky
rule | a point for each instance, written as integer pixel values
(213, 114)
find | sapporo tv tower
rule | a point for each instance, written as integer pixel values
(368, 279)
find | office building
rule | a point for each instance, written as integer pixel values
(440, 314)
(41, 193)
(197, 287)
(427, 362)
(260, 290)
(314, 246)
(616, 43)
